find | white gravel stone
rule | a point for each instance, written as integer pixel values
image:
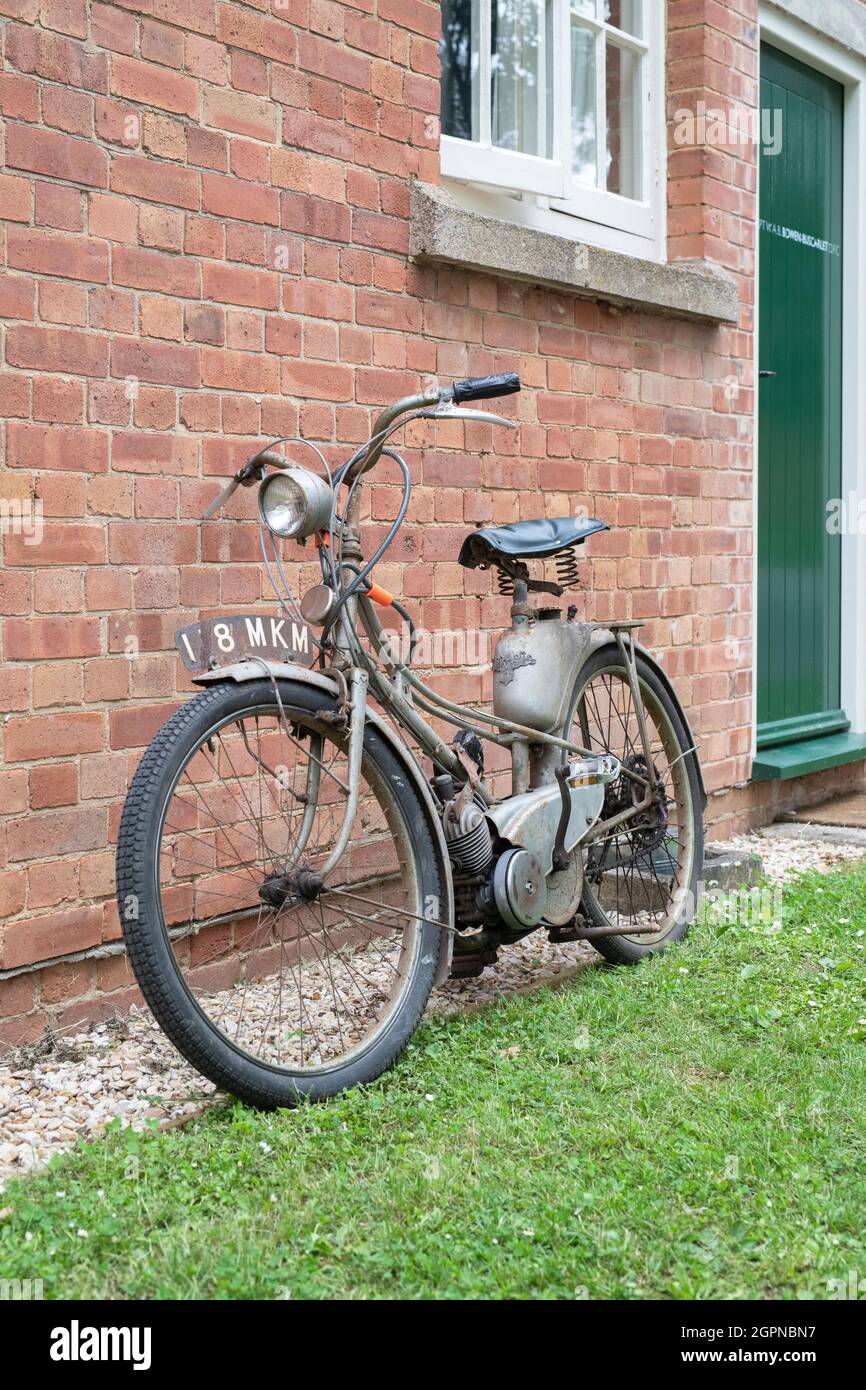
(127, 1069)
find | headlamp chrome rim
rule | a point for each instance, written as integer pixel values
(313, 506)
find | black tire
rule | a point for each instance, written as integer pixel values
(626, 950)
(153, 960)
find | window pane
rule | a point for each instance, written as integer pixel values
(459, 71)
(623, 122)
(625, 15)
(584, 158)
(519, 68)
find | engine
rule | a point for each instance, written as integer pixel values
(494, 882)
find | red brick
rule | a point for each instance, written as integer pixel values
(206, 59)
(235, 285)
(317, 380)
(53, 349)
(140, 452)
(59, 156)
(37, 639)
(153, 86)
(60, 545)
(134, 728)
(56, 58)
(57, 206)
(111, 28)
(52, 446)
(161, 228)
(69, 16)
(53, 784)
(19, 97)
(157, 182)
(160, 44)
(112, 310)
(60, 302)
(58, 402)
(137, 543)
(151, 270)
(14, 397)
(55, 934)
(17, 994)
(248, 202)
(112, 217)
(62, 982)
(203, 323)
(15, 198)
(51, 253)
(17, 297)
(241, 114)
(157, 362)
(268, 38)
(239, 371)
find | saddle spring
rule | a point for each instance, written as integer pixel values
(566, 568)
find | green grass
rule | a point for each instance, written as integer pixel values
(590, 1162)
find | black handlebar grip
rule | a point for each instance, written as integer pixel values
(479, 388)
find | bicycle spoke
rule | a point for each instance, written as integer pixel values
(296, 984)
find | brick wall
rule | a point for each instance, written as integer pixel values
(205, 244)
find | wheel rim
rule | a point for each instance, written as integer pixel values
(300, 984)
(640, 873)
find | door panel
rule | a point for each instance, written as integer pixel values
(800, 405)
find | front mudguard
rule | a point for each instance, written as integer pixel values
(254, 669)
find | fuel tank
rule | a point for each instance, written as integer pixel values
(534, 670)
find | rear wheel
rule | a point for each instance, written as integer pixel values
(642, 870)
(275, 979)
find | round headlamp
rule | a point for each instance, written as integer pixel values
(295, 503)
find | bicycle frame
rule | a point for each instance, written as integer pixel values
(388, 684)
(392, 682)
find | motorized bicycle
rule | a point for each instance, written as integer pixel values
(304, 854)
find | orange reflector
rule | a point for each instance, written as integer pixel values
(380, 596)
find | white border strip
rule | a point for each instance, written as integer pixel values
(849, 68)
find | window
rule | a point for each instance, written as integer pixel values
(559, 99)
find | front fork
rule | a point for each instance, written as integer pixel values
(357, 684)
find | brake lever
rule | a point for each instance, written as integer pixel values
(252, 472)
(446, 411)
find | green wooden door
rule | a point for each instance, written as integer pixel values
(800, 405)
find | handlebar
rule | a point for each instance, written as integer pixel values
(471, 389)
(479, 388)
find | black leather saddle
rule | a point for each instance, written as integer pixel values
(525, 540)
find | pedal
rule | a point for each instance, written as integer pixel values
(468, 965)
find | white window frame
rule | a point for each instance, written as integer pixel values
(549, 196)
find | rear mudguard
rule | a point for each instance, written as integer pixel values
(603, 637)
(280, 670)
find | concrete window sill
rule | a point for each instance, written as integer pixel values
(444, 232)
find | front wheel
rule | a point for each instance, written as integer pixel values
(273, 979)
(641, 868)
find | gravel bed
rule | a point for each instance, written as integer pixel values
(783, 857)
(55, 1093)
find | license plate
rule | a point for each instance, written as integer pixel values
(222, 641)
